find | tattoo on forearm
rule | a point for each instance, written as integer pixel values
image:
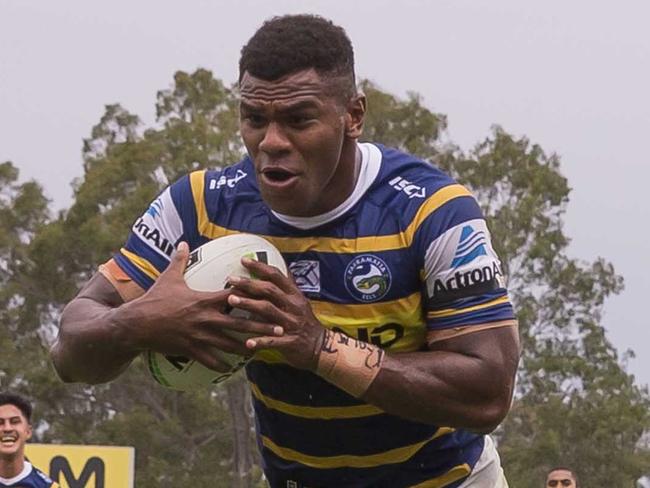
(349, 363)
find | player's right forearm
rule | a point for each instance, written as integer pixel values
(94, 344)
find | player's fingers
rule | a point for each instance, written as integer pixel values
(254, 327)
(256, 288)
(207, 358)
(178, 261)
(258, 343)
(260, 308)
(269, 273)
(224, 342)
(212, 298)
(218, 323)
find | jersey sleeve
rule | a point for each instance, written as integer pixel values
(170, 219)
(463, 281)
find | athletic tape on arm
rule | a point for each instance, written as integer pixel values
(125, 286)
(348, 363)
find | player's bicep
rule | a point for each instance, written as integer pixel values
(497, 349)
(464, 286)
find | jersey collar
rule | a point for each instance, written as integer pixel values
(370, 165)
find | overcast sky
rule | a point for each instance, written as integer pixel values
(574, 76)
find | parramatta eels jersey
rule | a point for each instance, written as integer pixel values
(407, 252)
(30, 477)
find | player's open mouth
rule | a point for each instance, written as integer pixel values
(277, 176)
(8, 440)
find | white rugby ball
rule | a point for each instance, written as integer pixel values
(208, 269)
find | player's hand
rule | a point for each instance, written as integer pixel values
(275, 298)
(174, 319)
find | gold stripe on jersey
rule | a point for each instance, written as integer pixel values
(205, 227)
(408, 308)
(414, 338)
(392, 456)
(448, 312)
(454, 474)
(325, 413)
(404, 312)
(270, 356)
(431, 204)
(143, 265)
(328, 244)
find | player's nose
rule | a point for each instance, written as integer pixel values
(275, 140)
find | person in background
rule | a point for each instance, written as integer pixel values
(561, 477)
(15, 431)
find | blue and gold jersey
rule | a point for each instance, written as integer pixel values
(407, 253)
(30, 477)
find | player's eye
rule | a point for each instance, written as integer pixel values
(255, 120)
(299, 120)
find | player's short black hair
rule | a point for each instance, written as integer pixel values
(291, 43)
(564, 468)
(21, 403)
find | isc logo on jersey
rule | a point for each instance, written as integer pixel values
(466, 263)
(160, 227)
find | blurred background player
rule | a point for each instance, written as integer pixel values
(561, 477)
(391, 352)
(15, 431)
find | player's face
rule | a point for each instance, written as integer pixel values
(302, 140)
(15, 431)
(560, 478)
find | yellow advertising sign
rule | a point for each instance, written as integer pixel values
(84, 466)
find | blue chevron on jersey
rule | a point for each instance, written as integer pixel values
(407, 252)
(155, 209)
(470, 246)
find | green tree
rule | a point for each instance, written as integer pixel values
(23, 212)
(575, 403)
(182, 439)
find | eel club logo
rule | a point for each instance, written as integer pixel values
(367, 278)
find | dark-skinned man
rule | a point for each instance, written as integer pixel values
(390, 352)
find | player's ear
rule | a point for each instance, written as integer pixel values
(355, 115)
(28, 432)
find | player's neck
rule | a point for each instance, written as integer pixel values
(11, 467)
(357, 163)
(345, 184)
